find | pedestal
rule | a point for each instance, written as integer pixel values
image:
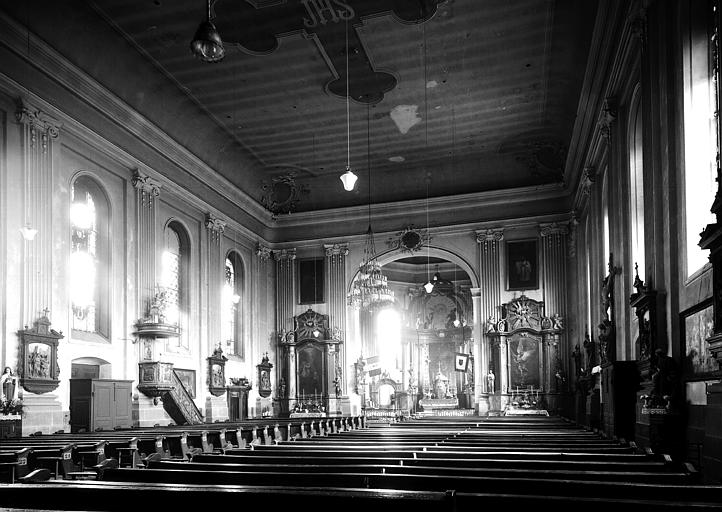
(620, 381)
(264, 407)
(216, 409)
(10, 426)
(42, 413)
(483, 405)
(148, 414)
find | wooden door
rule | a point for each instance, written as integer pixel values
(103, 409)
(122, 414)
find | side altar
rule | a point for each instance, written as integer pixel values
(525, 356)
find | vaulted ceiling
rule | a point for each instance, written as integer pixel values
(458, 95)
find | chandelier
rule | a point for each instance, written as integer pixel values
(370, 290)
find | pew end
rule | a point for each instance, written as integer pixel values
(37, 475)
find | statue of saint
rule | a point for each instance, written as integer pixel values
(490, 379)
(8, 385)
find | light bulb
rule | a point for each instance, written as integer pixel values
(349, 179)
(429, 287)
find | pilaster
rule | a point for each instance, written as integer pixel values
(215, 228)
(335, 267)
(147, 191)
(285, 288)
(39, 131)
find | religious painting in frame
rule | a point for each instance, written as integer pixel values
(524, 361)
(522, 265)
(188, 378)
(310, 277)
(697, 326)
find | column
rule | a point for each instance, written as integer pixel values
(285, 288)
(554, 251)
(216, 407)
(39, 131)
(335, 266)
(216, 267)
(555, 248)
(263, 280)
(285, 300)
(487, 300)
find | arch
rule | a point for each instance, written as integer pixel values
(90, 367)
(393, 255)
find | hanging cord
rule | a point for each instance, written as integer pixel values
(348, 110)
(368, 154)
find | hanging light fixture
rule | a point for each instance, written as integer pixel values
(207, 44)
(370, 290)
(429, 286)
(348, 178)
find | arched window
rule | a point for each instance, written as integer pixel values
(231, 306)
(636, 188)
(700, 127)
(174, 274)
(89, 257)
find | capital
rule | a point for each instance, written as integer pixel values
(263, 252)
(215, 224)
(145, 183)
(336, 249)
(490, 235)
(285, 254)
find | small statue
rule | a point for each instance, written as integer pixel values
(490, 324)
(490, 379)
(557, 321)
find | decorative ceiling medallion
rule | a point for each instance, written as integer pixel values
(409, 240)
(282, 194)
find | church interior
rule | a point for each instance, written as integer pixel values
(308, 218)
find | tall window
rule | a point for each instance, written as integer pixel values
(231, 305)
(89, 257)
(174, 273)
(636, 188)
(700, 126)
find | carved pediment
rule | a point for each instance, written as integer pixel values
(524, 314)
(311, 326)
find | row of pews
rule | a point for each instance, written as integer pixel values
(88, 455)
(440, 464)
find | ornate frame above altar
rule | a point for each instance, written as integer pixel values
(526, 346)
(310, 358)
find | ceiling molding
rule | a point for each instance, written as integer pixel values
(401, 209)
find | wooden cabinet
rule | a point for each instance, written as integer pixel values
(100, 404)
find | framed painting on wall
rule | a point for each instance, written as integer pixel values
(310, 277)
(697, 326)
(188, 378)
(522, 265)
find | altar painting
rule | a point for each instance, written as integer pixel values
(524, 362)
